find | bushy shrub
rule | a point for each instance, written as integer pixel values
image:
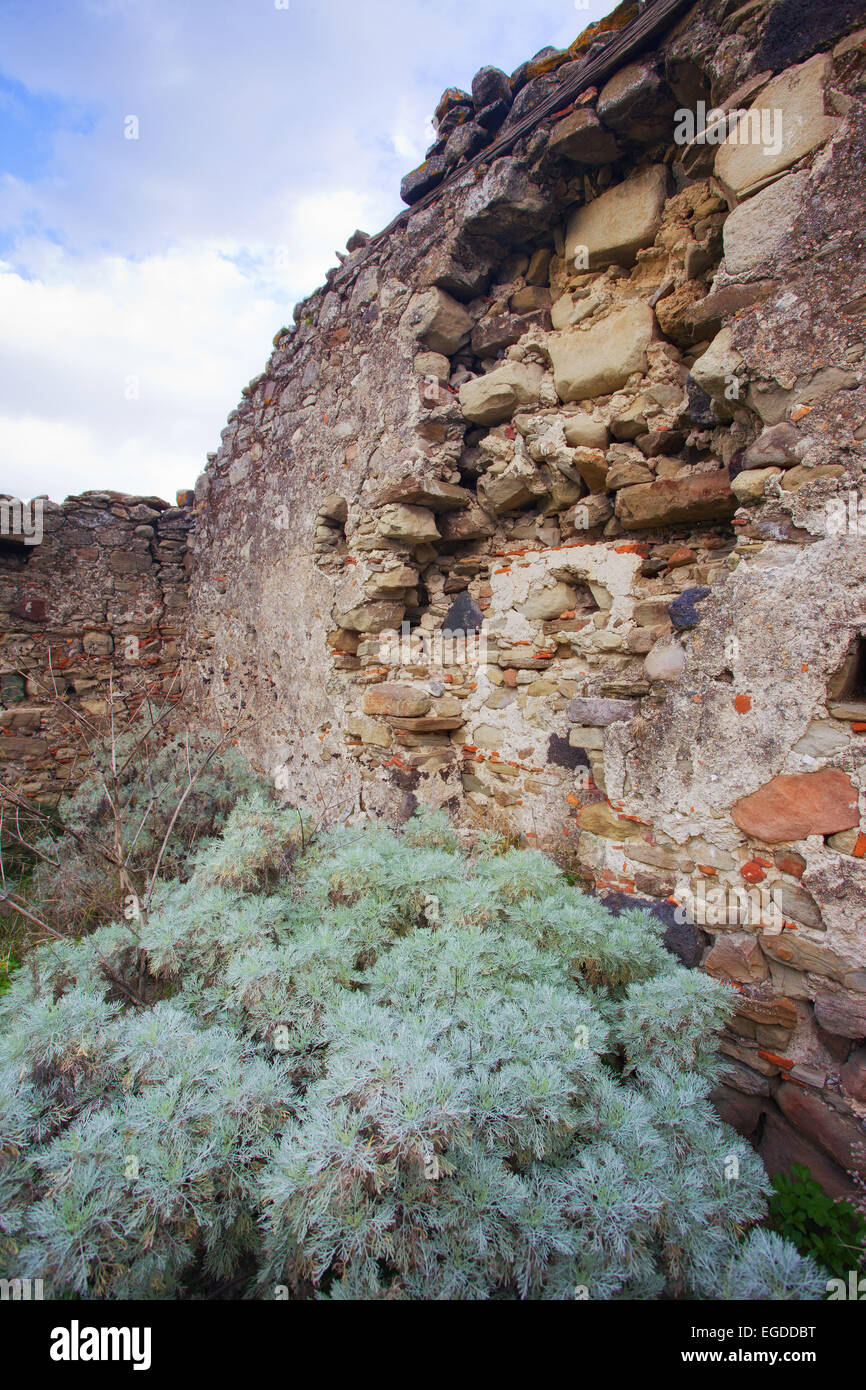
(374, 1066)
(123, 809)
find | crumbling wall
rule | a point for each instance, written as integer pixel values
(92, 616)
(599, 408)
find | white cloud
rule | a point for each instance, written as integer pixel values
(267, 137)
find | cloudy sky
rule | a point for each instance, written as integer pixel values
(142, 279)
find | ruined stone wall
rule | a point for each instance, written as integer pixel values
(601, 403)
(599, 407)
(91, 618)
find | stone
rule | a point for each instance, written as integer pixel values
(717, 367)
(416, 525)
(659, 442)
(376, 616)
(777, 446)
(854, 1074)
(781, 1147)
(797, 951)
(473, 524)
(740, 1109)
(491, 399)
(591, 739)
(837, 1135)
(489, 85)
(423, 180)
(665, 662)
(530, 299)
(683, 612)
(596, 712)
(334, 508)
(626, 472)
(507, 492)
(433, 364)
(756, 231)
(842, 1014)
(582, 137)
(98, 643)
(431, 724)
(601, 360)
(399, 700)
(614, 227)
(505, 205)
(784, 123)
(426, 492)
(583, 431)
(591, 464)
(793, 32)
(633, 103)
(549, 601)
(491, 117)
(793, 806)
(589, 513)
(751, 484)
(538, 271)
(737, 957)
(464, 615)
(451, 98)
(670, 501)
(393, 580)
(464, 142)
(801, 476)
(601, 819)
(438, 321)
(496, 332)
(370, 731)
(822, 740)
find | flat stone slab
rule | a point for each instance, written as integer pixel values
(598, 713)
(793, 806)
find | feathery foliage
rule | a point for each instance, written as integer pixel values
(375, 1065)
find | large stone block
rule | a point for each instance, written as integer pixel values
(437, 321)
(839, 1135)
(757, 229)
(784, 123)
(416, 525)
(597, 713)
(490, 399)
(796, 805)
(601, 360)
(394, 698)
(670, 501)
(781, 1147)
(614, 227)
(582, 137)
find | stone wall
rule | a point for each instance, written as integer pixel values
(598, 409)
(91, 617)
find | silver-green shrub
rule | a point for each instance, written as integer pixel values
(380, 1065)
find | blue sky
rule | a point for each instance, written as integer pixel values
(141, 280)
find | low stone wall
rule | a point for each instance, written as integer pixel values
(92, 617)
